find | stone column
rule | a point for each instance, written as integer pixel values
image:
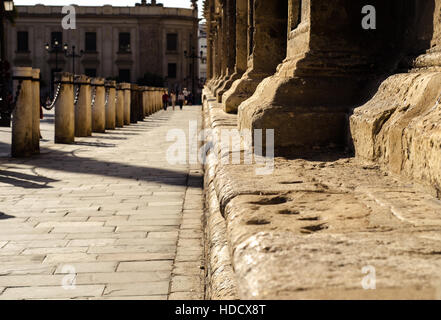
(22, 143)
(98, 109)
(241, 47)
(119, 114)
(110, 105)
(230, 44)
(83, 107)
(36, 110)
(126, 103)
(134, 103)
(65, 110)
(267, 43)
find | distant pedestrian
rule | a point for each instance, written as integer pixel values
(165, 100)
(173, 99)
(181, 99)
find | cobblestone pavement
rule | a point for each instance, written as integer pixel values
(104, 218)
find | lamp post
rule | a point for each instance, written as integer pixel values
(5, 114)
(193, 57)
(54, 48)
(72, 55)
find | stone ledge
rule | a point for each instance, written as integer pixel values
(307, 230)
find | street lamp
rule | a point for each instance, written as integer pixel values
(54, 48)
(193, 56)
(72, 55)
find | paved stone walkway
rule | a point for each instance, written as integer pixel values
(104, 218)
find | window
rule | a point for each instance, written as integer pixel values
(172, 71)
(124, 75)
(90, 72)
(124, 42)
(22, 41)
(90, 42)
(57, 36)
(172, 42)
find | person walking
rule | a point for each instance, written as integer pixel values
(173, 99)
(181, 99)
(165, 100)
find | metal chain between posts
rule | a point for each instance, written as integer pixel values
(93, 96)
(57, 94)
(17, 94)
(77, 94)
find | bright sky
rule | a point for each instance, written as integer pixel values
(120, 3)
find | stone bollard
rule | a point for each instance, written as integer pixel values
(145, 101)
(140, 95)
(148, 107)
(126, 103)
(83, 108)
(110, 106)
(22, 143)
(119, 114)
(98, 108)
(64, 109)
(36, 110)
(134, 109)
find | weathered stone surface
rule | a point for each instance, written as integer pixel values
(330, 212)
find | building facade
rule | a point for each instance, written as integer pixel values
(203, 50)
(117, 42)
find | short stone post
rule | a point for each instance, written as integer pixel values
(98, 107)
(158, 100)
(36, 110)
(140, 96)
(119, 115)
(149, 101)
(64, 109)
(134, 109)
(83, 108)
(22, 145)
(126, 103)
(145, 101)
(110, 104)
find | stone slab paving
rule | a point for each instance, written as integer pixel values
(105, 218)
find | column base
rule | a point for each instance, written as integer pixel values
(227, 85)
(240, 91)
(305, 113)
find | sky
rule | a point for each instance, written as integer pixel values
(120, 3)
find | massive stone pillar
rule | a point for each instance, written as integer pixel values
(110, 105)
(22, 143)
(98, 108)
(267, 36)
(36, 110)
(65, 109)
(230, 30)
(332, 63)
(227, 44)
(83, 107)
(119, 113)
(399, 127)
